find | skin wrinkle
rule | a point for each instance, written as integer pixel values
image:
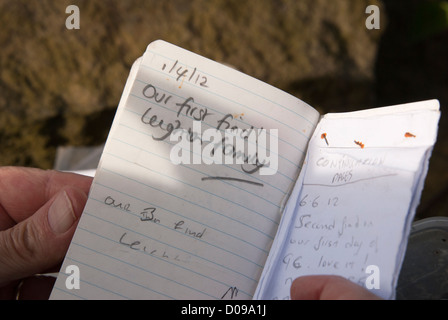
(6, 221)
(10, 239)
(24, 232)
(27, 242)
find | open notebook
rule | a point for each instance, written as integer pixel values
(323, 195)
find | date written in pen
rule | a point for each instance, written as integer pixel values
(185, 74)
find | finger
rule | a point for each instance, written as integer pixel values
(320, 287)
(24, 190)
(41, 241)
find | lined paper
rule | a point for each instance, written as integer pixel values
(152, 229)
(355, 199)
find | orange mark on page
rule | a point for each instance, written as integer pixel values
(359, 143)
(180, 86)
(324, 136)
(409, 135)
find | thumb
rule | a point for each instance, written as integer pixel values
(328, 287)
(41, 241)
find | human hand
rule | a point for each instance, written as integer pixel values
(321, 287)
(39, 211)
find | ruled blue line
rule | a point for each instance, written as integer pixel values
(203, 173)
(152, 256)
(180, 215)
(200, 189)
(207, 107)
(69, 292)
(164, 243)
(119, 277)
(225, 81)
(214, 127)
(168, 245)
(191, 202)
(180, 232)
(227, 166)
(137, 267)
(90, 283)
(295, 165)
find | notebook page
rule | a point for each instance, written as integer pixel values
(356, 197)
(152, 229)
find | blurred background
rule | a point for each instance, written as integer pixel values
(61, 87)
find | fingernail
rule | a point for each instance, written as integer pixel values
(60, 215)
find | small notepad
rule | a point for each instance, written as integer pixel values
(353, 204)
(155, 230)
(164, 223)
